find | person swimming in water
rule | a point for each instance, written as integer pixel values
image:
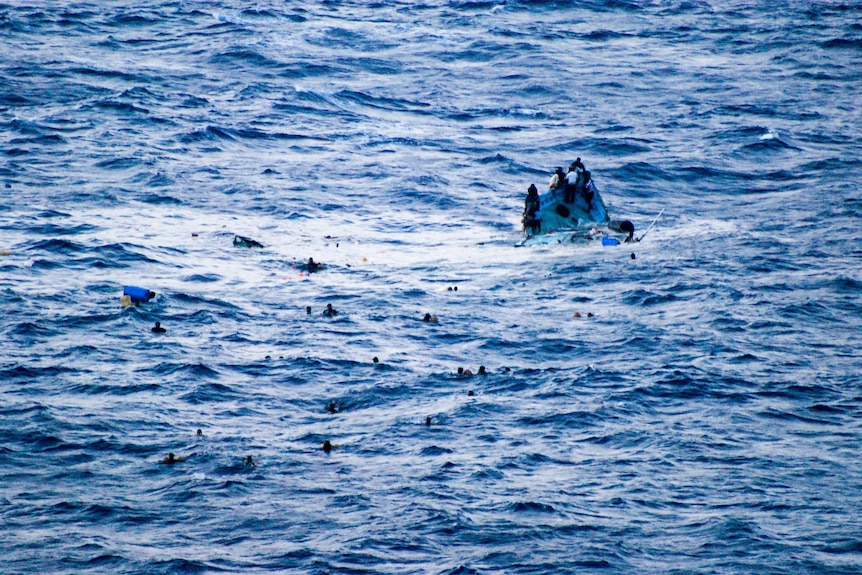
(158, 328)
(329, 311)
(171, 459)
(482, 370)
(314, 266)
(327, 446)
(249, 461)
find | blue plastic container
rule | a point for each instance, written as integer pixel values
(610, 242)
(138, 294)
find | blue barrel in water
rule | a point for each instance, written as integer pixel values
(138, 294)
(610, 242)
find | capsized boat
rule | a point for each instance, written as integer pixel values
(583, 218)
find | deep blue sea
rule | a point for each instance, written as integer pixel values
(702, 415)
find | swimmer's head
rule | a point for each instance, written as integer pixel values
(427, 317)
(200, 433)
(375, 360)
(470, 393)
(308, 309)
(482, 370)
(327, 446)
(428, 420)
(460, 371)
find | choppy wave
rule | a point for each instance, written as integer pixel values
(689, 403)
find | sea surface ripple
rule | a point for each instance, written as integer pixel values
(702, 415)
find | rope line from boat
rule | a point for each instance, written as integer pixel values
(650, 226)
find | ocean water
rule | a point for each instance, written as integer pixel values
(702, 415)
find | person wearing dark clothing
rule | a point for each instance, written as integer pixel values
(531, 210)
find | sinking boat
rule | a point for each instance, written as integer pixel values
(584, 217)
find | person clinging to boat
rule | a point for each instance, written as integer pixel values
(589, 188)
(531, 217)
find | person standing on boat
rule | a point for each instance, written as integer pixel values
(579, 165)
(574, 180)
(589, 189)
(531, 210)
(558, 179)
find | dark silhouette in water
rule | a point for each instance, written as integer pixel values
(314, 266)
(327, 446)
(329, 311)
(244, 242)
(623, 226)
(171, 459)
(158, 328)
